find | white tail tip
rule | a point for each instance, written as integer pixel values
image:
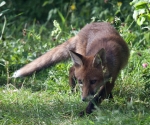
(16, 74)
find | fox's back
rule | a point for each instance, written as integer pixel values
(94, 30)
(91, 38)
(102, 35)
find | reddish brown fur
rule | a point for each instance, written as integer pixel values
(86, 73)
(87, 43)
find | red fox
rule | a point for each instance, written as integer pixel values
(98, 53)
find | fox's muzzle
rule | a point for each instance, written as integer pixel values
(88, 98)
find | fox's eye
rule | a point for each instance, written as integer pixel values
(93, 81)
(80, 81)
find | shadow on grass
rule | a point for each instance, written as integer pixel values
(39, 111)
(59, 109)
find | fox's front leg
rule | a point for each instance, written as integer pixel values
(72, 79)
(105, 92)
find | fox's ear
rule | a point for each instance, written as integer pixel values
(76, 58)
(99, 58)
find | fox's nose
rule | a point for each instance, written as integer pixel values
(83, 99)
(87, 98)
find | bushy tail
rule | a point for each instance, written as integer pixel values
(53, 56)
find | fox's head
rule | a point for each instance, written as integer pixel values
(89, 72)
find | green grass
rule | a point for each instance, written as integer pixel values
(21, 106)
(53, 103)
(45, 98)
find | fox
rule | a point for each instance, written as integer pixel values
(98, 53)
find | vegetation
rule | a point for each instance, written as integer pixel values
(30, 28)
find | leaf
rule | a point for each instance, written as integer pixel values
(61, 16)
(47, 2)
(4, 12)
(140, 5)
(51, 12)
(2, 3)
(140, 20)
(147, 36)
(147, 16)
(135, 15)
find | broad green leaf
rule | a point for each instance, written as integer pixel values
(148, 16)
(135, 14)
(140, 5)
(140, 20)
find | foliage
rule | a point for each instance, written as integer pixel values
(30, 28)
(142, 12)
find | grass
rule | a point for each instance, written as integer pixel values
(45, 98)
(55, 104)
(22, 106)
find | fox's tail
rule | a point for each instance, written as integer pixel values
(53, 56)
